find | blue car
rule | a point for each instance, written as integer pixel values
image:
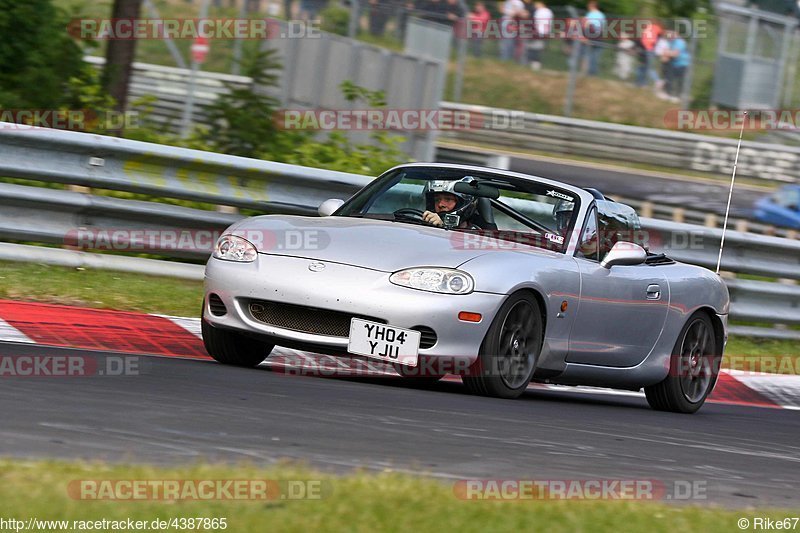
(781, 208)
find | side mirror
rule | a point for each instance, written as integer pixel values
(624, 253)
(328, 207)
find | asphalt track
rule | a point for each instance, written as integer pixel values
(696, 194)
(185, 411)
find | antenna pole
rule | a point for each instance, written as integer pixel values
(730, 194)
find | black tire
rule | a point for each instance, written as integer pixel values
(693, 369)
(510, 351)
(232, 348)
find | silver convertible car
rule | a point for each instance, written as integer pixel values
(499, 277)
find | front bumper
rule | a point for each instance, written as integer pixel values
(348, 289)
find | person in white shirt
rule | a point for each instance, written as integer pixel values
(624, 64)
(543, 23)
(513, 10)
(661, 51)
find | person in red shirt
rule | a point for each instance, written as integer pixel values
(647, 43)
(478, 21)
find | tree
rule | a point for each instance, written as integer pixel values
(37, 55)
(120, 54)
(242, 122)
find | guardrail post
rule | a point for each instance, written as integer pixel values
(679, 215)
(82, 190)
(711, 220)
(741, 225)
(646, 209)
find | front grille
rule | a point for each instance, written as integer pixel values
(428, 338)
(305, 319)
(216, 306)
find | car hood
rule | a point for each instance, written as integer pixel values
(375, 244)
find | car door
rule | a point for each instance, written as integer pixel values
(621, 310)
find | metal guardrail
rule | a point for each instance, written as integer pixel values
(62, 217)
(111, 163)
(745, 253)
(549, 133)
(44, 215)
(618, 142)
(76, 259)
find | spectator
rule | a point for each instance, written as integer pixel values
(478, 22)
(680, 59)
(593, 24)
(379, 13)
(543, 24)
(433, 10)
(513, 10)
(452, 12)
(404, 9)
(660, 55)
(625, 54)
(647, 59)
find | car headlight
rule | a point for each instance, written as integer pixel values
(233, 248)
(443, 280)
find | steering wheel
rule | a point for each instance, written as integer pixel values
(409, 211)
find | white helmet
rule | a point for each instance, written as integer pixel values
(466, 204)
(562, 213)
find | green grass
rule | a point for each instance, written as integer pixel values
(148, 294)
(100, 289)
(511, 86)
(762, 355)
(354, 502)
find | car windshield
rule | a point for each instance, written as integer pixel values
(524, 210)
(788, 197)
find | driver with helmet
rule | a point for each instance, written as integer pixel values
(447, 208)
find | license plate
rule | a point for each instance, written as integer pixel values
(387, 343)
